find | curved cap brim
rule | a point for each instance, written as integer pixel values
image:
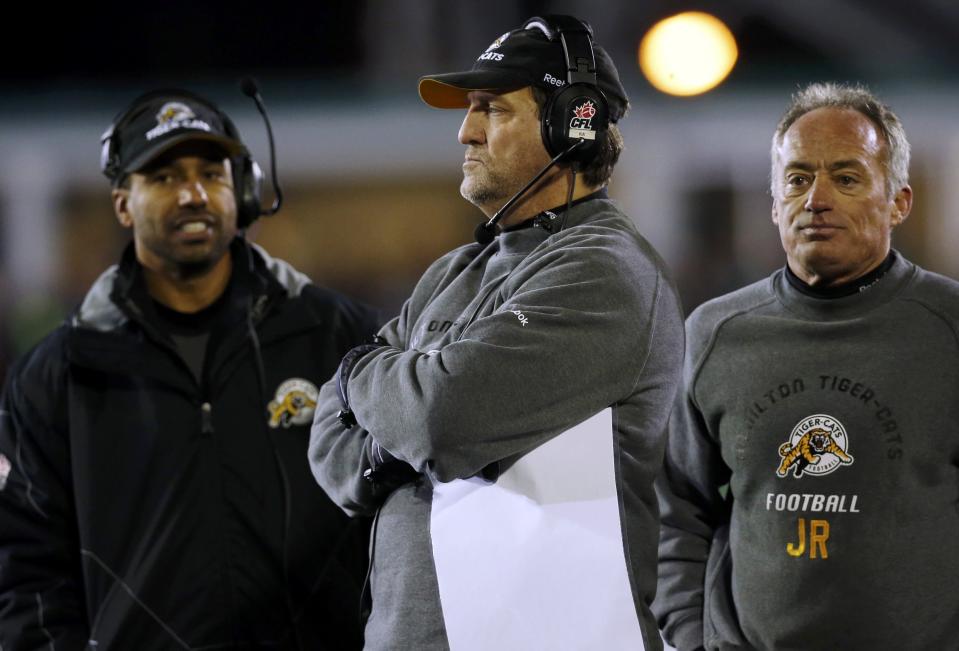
(450, 90)
(230, 147)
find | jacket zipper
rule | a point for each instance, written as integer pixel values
(206, 407)
(206, 418)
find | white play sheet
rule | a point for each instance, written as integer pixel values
(536, 560)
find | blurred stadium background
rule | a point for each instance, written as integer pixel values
(371, 174)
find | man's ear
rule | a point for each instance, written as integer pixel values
(903, 205)
(121, 197)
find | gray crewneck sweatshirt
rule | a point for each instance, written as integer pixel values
(498, 350)
(832, 427)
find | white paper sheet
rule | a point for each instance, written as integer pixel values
(536, 560)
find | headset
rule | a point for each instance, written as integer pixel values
(247, 175)
(579, 107)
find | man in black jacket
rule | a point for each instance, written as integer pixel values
(154, 489)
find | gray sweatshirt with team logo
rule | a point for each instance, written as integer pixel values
(810, 498)
(499, 349)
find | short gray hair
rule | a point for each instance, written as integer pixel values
(856, 98)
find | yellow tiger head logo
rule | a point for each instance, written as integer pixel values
(294, 403)
(808, 451)
(172, 111)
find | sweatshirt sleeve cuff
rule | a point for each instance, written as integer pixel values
(687, 635)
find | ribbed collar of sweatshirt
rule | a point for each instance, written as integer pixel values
(880, 289)
(524, 237)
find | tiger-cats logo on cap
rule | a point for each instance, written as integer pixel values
(489, 55)
(174, 111)
(294, 403)
(817, 446)
(175, 115)
(495, 44)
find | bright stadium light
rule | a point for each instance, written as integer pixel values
(687, 54)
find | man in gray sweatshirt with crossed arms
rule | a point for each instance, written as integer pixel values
(510, 421)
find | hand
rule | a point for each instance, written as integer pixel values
(387, 472)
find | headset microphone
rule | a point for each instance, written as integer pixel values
(249, 88)
(486, 231)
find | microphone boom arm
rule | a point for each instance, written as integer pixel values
(485, 231)
(249, 88)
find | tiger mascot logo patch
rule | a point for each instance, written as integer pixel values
(817, 446)
(174, 111)
(294, 403)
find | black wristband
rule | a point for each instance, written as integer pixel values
(345, 415)
(386, 471)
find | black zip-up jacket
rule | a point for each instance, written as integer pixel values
(143, 509)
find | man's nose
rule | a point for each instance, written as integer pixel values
(471, 132)
(192, 193)
(819, 197)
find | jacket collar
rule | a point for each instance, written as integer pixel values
(119, 295)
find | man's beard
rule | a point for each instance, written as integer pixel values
(186, 264)
(485, 189)
(196, 268)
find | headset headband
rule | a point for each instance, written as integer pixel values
(577, 39)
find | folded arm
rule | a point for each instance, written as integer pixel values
(569, 338)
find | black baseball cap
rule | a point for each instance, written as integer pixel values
(159, 120)
(519, 58)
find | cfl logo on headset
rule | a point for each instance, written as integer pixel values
(581, 124)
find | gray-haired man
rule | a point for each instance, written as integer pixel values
(810, 482)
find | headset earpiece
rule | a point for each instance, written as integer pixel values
(248, 187)
(579, 109)
(574, 112)
(247, 177)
